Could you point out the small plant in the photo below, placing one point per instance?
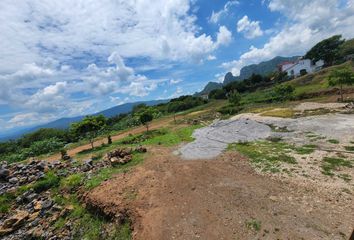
(71, 182)
(306, 149)
(330, 164)
(50, 180)
(334, 141)
(349, 148)
(254, 224)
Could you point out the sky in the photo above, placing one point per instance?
(76, 57)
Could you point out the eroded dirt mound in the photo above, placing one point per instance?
(169, 198)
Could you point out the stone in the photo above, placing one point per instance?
(47, 204)
(38, 206)
(13, 180)
(15, 221)
(4, 173)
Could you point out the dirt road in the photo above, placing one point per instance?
(154, 125)
(170, 198)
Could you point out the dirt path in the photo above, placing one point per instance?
(154, 125)
(170, 198)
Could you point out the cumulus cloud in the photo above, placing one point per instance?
(224, 36)
(250, 29)
(164, 30)
(215, 16)
(308, 23)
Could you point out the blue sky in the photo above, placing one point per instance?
(68, 58)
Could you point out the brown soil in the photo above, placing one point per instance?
(170, 198)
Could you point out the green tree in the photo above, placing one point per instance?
(89, 127)
(341, 76)
(217, 94)
(347, 48)
(327, 50)
(145, 119)
(234, 98)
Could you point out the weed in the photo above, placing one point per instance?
(71, 182)
(278, 129)
(254, 224)
(265, 154)
(345, 177)
(349, 148)
(330, 164)
(50, 180)
(306, 149)
(334, 141)
(6, 200)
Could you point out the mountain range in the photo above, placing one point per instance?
(262, 68)
(63, 123)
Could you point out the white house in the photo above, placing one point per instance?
(294, 69)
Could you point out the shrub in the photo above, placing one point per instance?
(283, 92)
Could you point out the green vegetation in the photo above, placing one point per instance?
(341, 76)
(266, 155)
(330, 164)
(254, 224)
(89, 127)
(145, 118)
(5, 202)
(48, 141)
(327, 50)
(349, 148)
(49, 180)
(71, 182)
(306, 149)
(334, 141)
(283, 92)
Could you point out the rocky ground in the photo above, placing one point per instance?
(33, 210)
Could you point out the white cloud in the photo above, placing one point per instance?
(24, 119)
(250, 29)
(308, 23)
(162, 30)
(215, 16)
(224, 36)
(177, 93)
(175, 81)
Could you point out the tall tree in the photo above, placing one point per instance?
(89, 127)
(326, 50)
(341, 76)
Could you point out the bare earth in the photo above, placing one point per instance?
(170, 198)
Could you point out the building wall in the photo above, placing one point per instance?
(301, 64)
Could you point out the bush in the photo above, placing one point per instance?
(46, 146)
(283, 92)
(217, 94)
(229, 110)
(235, 98)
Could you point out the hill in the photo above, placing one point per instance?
(262, 68)
(63, 123)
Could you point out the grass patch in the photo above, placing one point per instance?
(50, 180)
(349, 148)
(254, 224)
(266, 155)
(333, 141)
(106, 173)
(173, 137)
(330, 164)
(280, 112)
(71, 182)
(306, 149)
(6, 200)
(278, 129)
